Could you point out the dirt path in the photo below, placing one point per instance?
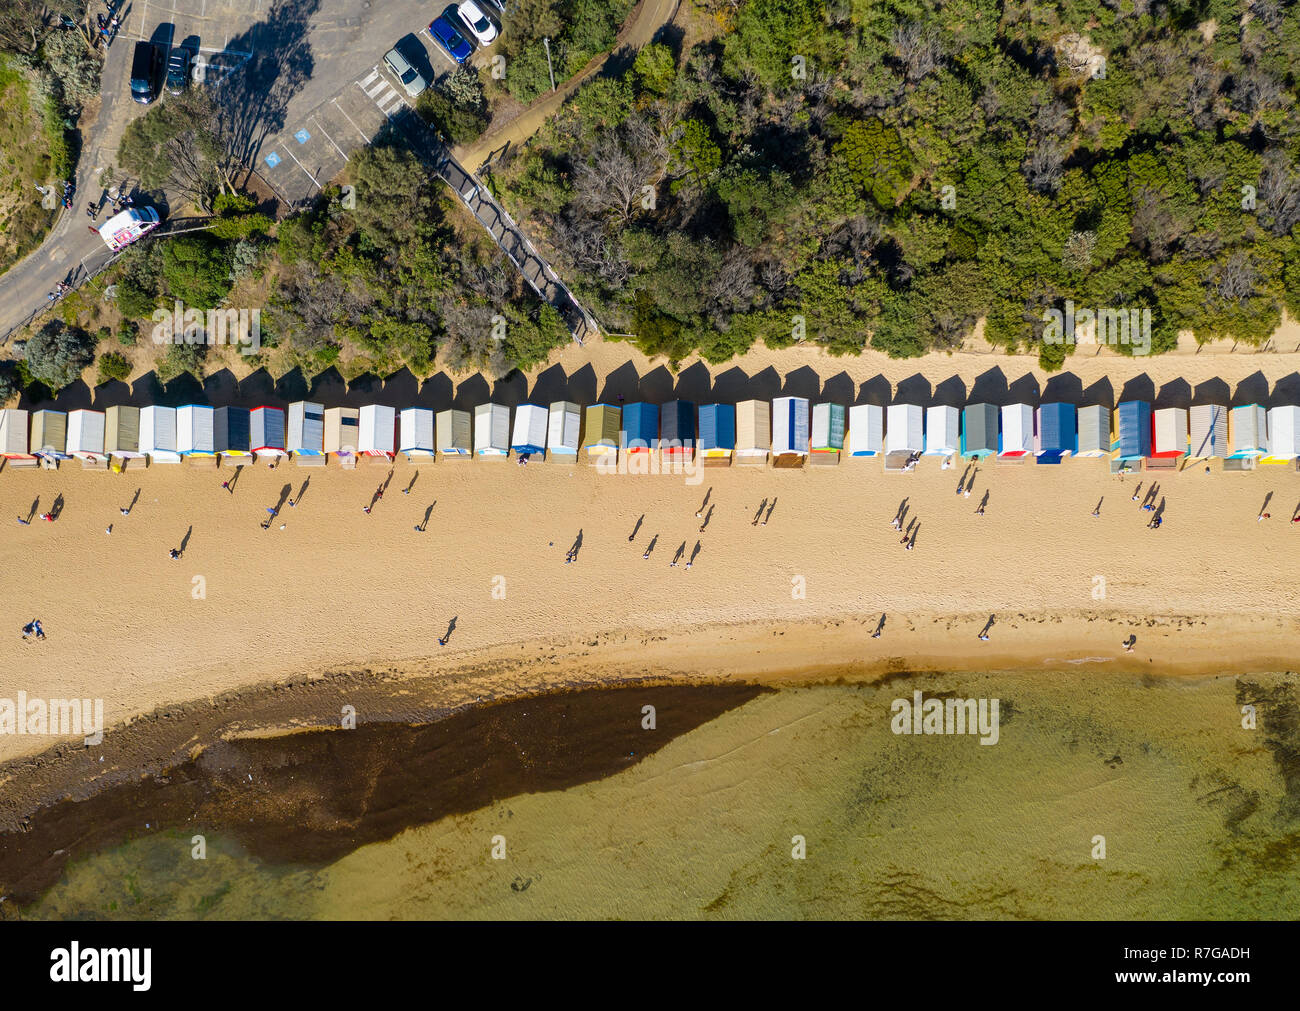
(646, 20)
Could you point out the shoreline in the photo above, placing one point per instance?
(757, 655)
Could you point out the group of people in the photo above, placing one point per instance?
(33, 630)
(60, 289)
(108, 26)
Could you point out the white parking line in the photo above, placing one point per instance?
(388, 111)
(328, 137)
(368, 79)
(303, 167)
(364, 138)
(388, 95)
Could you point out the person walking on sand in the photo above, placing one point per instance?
(225, 486)
(1137, 491)
(366, 509)
(126, 511)
(108, 529)
(984, 637)
(47, 517)
(173, 554)
(23, 522)
(1263, 516)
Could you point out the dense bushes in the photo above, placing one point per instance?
(456, 107)
(388, 276)
(57, 353)
(892, 173)
(578, 30)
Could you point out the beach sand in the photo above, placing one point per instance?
(367, 597)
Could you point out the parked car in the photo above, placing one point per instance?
(146, 61)
(178, 70)
(499, 6)
(401, 67)
(483, 30)
(453, 42)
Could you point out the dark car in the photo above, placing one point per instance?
(453, 42)
(499, 6)
(178, 70)
(146, 62)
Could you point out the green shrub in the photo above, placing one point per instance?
(58, 353)
(113, 365)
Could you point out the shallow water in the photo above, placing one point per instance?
(1198, 817)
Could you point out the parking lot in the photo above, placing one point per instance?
(303, 80)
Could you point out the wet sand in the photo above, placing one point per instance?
(309, 798)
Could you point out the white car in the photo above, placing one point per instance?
(478, 23)
(404, 72)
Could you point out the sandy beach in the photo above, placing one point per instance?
(367, 597)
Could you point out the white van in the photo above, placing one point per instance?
(123, 229)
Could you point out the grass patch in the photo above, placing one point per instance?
(33, 149)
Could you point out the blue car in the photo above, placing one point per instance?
(445, 34)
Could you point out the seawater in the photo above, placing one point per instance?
(1196, 814)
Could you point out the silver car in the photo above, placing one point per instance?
(404, 72)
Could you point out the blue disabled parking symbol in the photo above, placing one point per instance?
(302, 136)
(272, 159)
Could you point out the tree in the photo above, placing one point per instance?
(196, 270)
(9, 386)
(870, 158)
(57, 354)
(769, 35)
(112, 366)
(237, 217)
(695, 158)
(654, 69)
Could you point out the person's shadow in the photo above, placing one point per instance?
(577, 545)
(637, 527)
(56, 510)
(880, 627)
(185, 541)
(285, 492)
(36, 505)
(651, 546)
(134, 499)
(987, 625)
(424, 523)
(446, 638)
